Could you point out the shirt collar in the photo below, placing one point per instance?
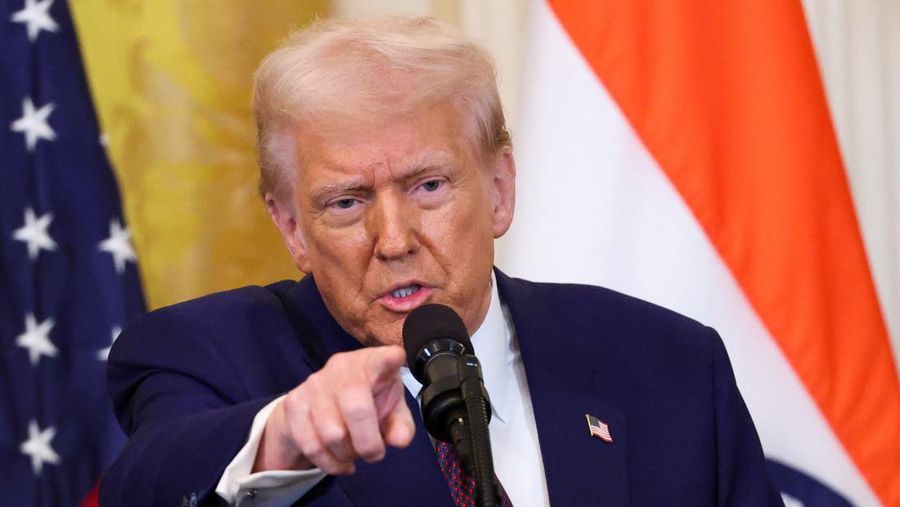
(492, 344)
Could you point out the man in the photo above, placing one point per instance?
(387, 168)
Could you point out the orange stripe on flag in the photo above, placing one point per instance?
(727, 97)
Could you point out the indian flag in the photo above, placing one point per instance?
(683, 152)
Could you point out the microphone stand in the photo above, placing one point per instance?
(475, 452)
(456, 409)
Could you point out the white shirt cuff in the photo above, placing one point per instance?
(238, 486)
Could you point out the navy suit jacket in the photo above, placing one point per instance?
(187, 380)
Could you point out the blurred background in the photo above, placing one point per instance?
(170, 82)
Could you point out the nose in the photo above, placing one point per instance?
(394, 224)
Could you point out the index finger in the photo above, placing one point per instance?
(384, 362)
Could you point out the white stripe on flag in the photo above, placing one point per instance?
(594, 207)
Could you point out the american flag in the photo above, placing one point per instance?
(68, 278)
(598, 428)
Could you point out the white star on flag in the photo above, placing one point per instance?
(36, 339)
(36, 15)
(34, 233)
(38, 446)
(118, 244)
(103, 354)
(33, 123)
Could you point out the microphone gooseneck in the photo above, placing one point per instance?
(455, 404)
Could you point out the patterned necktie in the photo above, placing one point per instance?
(462, 485)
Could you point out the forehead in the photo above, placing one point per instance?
(382, 146)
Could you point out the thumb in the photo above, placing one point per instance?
(397, 426)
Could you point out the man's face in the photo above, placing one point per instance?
(396, 214)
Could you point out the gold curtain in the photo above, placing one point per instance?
(171, 83)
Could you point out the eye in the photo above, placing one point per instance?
(431, 192)
(432, 185)
(343, 204)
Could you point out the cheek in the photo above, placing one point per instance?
(339, 250)
(463, 237)
(472, 223)
(339, 262)
(339, 259)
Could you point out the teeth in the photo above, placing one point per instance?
(405, 291)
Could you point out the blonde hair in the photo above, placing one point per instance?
(365, 69)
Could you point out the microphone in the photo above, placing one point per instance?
(455, 405)
(435, 340)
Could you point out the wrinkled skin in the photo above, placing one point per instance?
(384, 204)
(380, 206)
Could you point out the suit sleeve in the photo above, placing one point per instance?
(743, 477)
(186, 414)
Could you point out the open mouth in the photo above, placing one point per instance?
(406, 297)
(404, 292)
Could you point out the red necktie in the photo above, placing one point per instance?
(462, 485)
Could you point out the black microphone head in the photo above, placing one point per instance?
(432, 322)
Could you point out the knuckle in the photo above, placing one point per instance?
(311, 449)
(310, 385)
(356, 409)
(332, 434)
(294, 403)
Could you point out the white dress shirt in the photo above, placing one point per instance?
(514, 440)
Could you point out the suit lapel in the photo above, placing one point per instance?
(580, 469)
(318, 332)
(408, 476)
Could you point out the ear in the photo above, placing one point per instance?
(503, 189)
(284, 219)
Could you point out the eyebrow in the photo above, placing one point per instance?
(427, 162)
(324, 192)
(424, 164)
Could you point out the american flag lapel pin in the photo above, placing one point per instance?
(598, 428)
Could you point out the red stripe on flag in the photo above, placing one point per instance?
(727, 97)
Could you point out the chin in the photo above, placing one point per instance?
(387, 334)
(374, 340)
